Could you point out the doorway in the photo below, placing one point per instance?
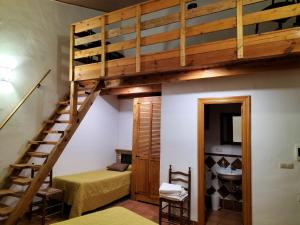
(215, 163)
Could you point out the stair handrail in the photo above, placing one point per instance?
(36, 86)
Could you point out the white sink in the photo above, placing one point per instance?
(229, 174)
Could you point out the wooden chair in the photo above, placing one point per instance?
(184, 206)
(51, 199)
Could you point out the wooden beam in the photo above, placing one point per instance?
(103, 46)
(132, 90)
(71, 63)
(240, 29)
(182, 33)
(138, 39)
(242, 67)
(73, 102)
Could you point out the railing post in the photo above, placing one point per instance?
(182, 33)
(240, 29)
(71, 65)
(103, 46)
(138, 39)
(73, 88)
(73, 102)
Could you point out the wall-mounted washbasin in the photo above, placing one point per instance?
(229, 174)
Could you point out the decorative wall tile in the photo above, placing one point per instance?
(223, 162)
(223, 191)
(210, 162)
(237, 164)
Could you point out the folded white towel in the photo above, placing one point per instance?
(174, 197)
(167, 188)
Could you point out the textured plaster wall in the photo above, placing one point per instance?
(34, 37)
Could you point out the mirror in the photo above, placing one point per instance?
(231, 129)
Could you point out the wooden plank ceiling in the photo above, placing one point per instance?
(102, 5)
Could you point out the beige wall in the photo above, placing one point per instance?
(35, 35)
(275, 98)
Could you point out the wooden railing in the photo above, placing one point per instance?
(37, 85)
(113, 27)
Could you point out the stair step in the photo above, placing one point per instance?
(43, 142)
(58, 121)
(66, 103)
(7, 192)
(38, 154)
(5, 210)
(22, 181)
(22, 166)
(54, 132)
(66, 111)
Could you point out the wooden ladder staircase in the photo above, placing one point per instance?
(43, 151)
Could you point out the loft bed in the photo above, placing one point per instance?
(143, 34)
(90, 190)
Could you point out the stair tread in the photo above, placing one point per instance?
(43, 142)
(22, 181)
(5, 210)
(54, 132)
(38, 154)
(22, 165)
(58, 121)
(68, 102)
(6, 192)
(64, 112)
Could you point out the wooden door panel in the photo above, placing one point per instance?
(154, 172)
(141, 175)
(146, 148)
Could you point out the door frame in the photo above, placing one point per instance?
(246, 154)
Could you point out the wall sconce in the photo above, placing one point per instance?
(5, 73)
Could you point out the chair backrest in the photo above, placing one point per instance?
(50, 176)
(185, 179)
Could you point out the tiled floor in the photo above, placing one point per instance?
(224, 217)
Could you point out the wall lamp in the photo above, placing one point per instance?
(5, 73)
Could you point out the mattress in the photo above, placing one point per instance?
(91, 190)
(112, 216)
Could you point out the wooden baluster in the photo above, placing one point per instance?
(138, 39)
(73, 89)
(103, 46)
(73, 102)
(182, 33)
(240, 29)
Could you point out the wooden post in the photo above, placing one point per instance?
(240, 29)
(71, 65)
(182, 33)
(73, 102)
(103, 46)
(138, 39)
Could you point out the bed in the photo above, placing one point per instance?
(91, 190)
(112, 216)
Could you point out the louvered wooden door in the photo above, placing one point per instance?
(146, 149)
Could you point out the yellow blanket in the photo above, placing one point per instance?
(113, 216)
(91, 190)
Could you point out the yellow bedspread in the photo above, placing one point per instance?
(113, 216)
(91, 190)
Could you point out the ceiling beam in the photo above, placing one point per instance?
(236, 69)
(132, 91)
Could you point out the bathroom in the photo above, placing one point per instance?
(223, 164)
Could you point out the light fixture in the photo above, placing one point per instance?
(5, 73)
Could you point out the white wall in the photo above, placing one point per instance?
(125, 124)
(34, 37)
(93, 145)
(275, 130)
